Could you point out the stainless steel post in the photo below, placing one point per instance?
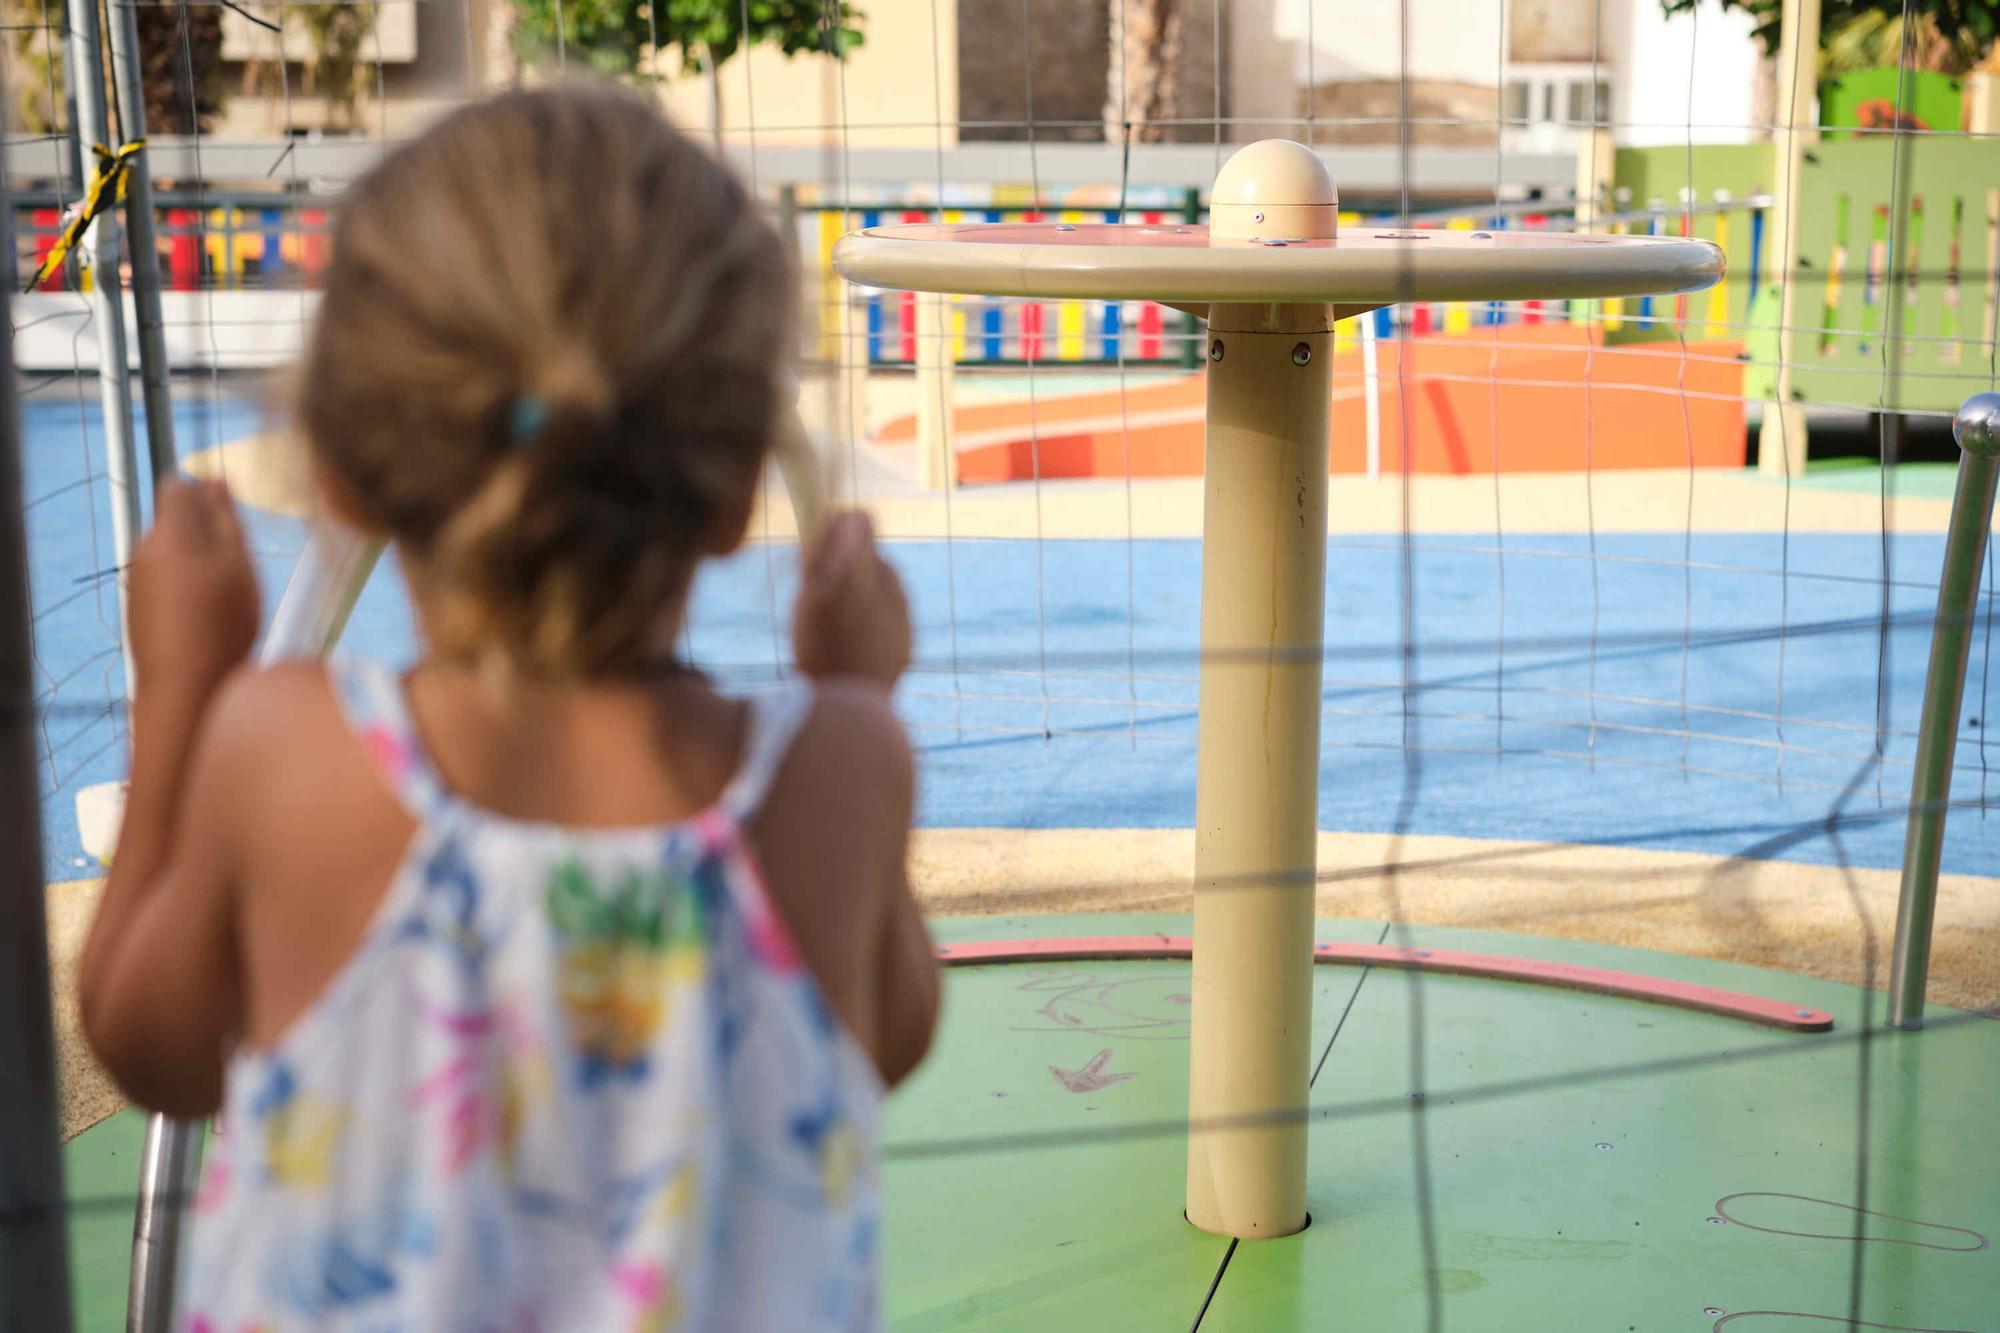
(1978, 432)
(84, 57)
(168, 1163)
(169, 1168)
(153, 370)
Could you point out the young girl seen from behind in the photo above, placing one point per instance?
(542, 987)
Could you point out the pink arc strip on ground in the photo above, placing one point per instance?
(1569, 976)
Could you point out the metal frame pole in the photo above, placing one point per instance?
(1263, 593)
(84, 57)
(34, 1245)
(170, 1157)
(139, 219)
(1977, 429)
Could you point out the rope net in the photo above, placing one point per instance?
(1598, 648)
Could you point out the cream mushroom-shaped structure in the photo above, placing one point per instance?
(1271, 274)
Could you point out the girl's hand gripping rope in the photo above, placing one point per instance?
(852, 619)
(195, 603)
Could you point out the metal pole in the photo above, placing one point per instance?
(172, 1151)
(329, 576)
(169, 1170)
(139, 218)
(107, 309)
(34, 1249)
(1978, 431)
(1263, 590)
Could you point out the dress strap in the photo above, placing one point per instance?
(371, 695)
(775, 719)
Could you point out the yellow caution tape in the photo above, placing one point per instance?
(107, 187)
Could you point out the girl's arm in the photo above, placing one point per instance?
(159, 982)
(852, 624)
(908, 998)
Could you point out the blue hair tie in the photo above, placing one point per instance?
(525, 422)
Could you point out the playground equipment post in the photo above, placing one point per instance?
(1977, 429)
(1263, 589)
(1781, 440)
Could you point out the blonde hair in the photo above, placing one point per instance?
(548, 364)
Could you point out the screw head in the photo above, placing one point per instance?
(1718, 1221)
(1301, 354)
(1065, 226)
(1482, 235)
(1805, 1013)
(1215, 350)
(1604, 1147)
(1256, 217)
(1977, 425)
(1711, 1309)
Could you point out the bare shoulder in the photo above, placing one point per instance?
(839, 810)
(854, 742)
(319, 830)
(282, 746)
(832, 839)
(259, 716)
(260, 696)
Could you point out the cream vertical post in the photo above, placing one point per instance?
(1982, 102)
(1596, 177)
(1596, 185)
(849, 387)
(1263, 595)
(937, 371)
(1781, 441)
(1371, 389)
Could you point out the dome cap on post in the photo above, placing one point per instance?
(1274, 189)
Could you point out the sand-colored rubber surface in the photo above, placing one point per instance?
(265, 472)
(87, 1093)
(1808, 919)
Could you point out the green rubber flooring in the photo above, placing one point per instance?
(1593, 1163)
(1932, 481)
(1578, 1148)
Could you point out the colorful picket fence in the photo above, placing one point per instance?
(227, 247)
(1013, 331)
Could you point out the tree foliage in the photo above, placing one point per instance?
(1947, 36)
(180, 65)
(1140, 87)
(615, 35)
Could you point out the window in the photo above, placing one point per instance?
(1584, 109)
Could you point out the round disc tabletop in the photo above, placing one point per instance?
(1183, 264)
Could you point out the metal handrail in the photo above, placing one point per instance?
(1977, 429)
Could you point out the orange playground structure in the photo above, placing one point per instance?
(1500, 399)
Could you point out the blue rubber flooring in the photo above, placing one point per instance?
(1624, 689)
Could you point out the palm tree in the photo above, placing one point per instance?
(1874, 40)
(180, 66)
(1141, 87)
